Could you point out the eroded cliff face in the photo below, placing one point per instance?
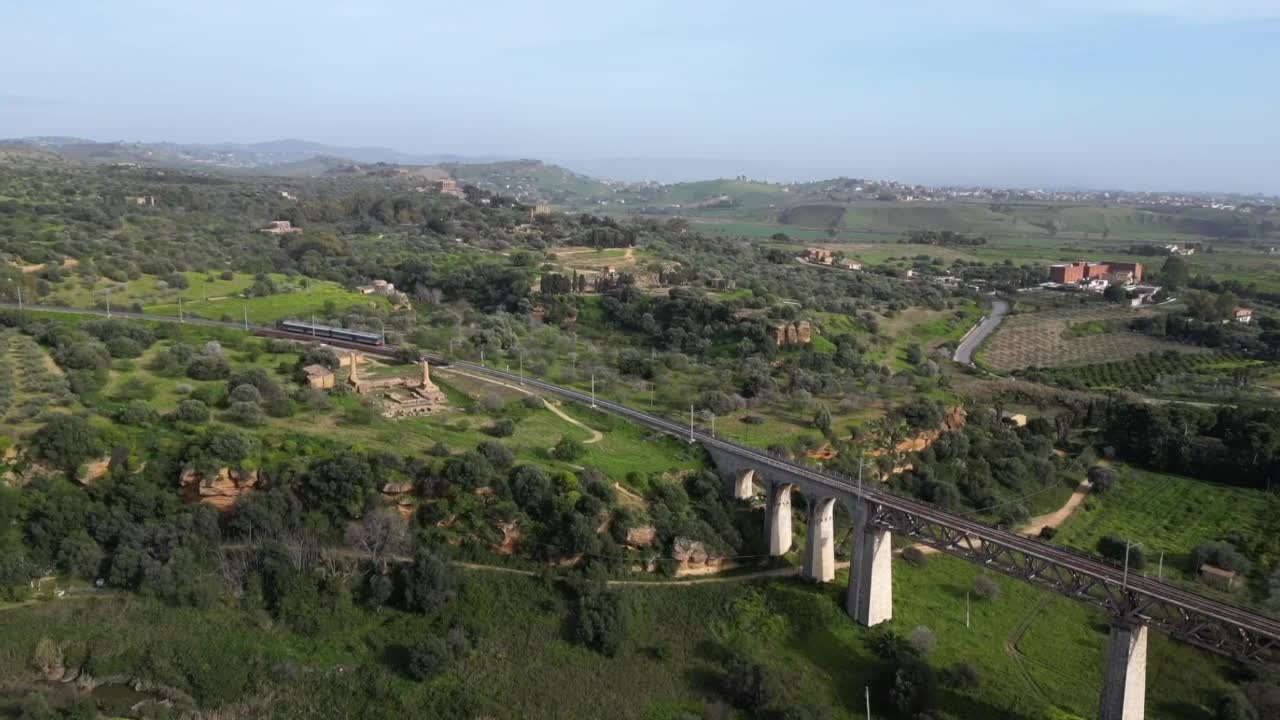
(954, 420)
(222, 491)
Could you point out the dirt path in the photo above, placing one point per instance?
(1037, 523)
(1059, 516)
(629, 496)
(774, 572)
(596, 435)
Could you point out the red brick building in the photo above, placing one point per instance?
(1072, 273)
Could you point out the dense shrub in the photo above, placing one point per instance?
(986, 588)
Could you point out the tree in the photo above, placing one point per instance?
(191, 411)
(822, 419)
(429, 657)
(923, 641)
(137, 413)
(602, 620)
(1102, 479)
(568, 449)
(67, 441)
(429, 584)
(1116, 550)
(502, 427)
(249, 414)
(986, 588)
(245, 393)
(1220, 554)
(915, 687)
(1115, 294)
(1175, 273)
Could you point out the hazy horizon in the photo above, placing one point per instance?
(1132, 94)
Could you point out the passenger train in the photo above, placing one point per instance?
(324, 331)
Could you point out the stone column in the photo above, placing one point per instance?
(779, 518)
(742, 484)
(820, 546)
(869, 600)
(426, 374)
(1124, 681)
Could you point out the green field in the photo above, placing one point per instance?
(211, 297)
(1167, 514)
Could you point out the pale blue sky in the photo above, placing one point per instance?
(1143, 94)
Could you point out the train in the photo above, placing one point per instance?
(325, 331)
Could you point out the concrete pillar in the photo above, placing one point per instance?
(869, 600)
(742, 485)
(1124, 682)
(820, 547)
(779, 518)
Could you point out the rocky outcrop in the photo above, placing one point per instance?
(400, 495)
(510, 538)
(222, 490)
(954, 420)
(93, 471)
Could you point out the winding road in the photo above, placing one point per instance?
(969, 345)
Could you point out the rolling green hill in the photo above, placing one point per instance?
(531, 180)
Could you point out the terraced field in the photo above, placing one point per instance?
(1042, 339)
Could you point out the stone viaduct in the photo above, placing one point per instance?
(869, 597)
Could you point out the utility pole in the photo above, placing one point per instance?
(1125, 584)
(690, 423)
(1160, 569)
(713, 424)
(868, 696)
(481, 355)
(521, 354)
(313, 325)
(593, 388)
(181, 318)
(246, 319)
(966, 609)
(108, 302)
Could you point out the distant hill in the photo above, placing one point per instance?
(534, 181)
(230, 156)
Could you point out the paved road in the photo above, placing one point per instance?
(1116, 582)
(968, 346)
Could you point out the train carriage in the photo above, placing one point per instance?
(325, 331)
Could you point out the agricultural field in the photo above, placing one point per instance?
(1167, 515)
(30, 382)
(1169, 374)
(1069, 336)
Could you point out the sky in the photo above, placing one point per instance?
(1127, 94)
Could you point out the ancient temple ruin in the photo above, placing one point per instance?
(401, 396)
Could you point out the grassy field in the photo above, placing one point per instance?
(210, 296)
(1035, 652)
(1167, 514)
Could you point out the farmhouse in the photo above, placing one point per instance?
(1218, 577)
(1242, 315)
(319, 377)
(280, 227)
(1077, 273)
(821, 256)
